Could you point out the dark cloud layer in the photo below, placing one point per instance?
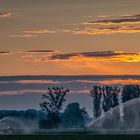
(130, 19)
(16, 83)
(5, 52)
(90, 54)
(113, 56)
(39, 51)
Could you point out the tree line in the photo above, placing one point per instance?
(109, 96)
(105, 97)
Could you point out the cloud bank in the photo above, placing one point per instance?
(128, 19)
(5, 52)
(104, 30)
(33, 33)
(114, 56)
(5, 14)
(40, 51)
(105, 26)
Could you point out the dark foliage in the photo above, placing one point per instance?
(96, 94)
(73, 116)
(29, 114)
(110, 97)
(53, 104)
(130, 92)
(104, 98)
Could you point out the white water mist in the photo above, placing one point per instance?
(121, 105)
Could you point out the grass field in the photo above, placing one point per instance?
(71, 134)
(70, 137)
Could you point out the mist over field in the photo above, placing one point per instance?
(24, 92)
(20, 98)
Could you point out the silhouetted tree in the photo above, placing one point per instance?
(73, 116)
(104, 98)
(96, 94)
(53, 104)
(110, 97)
(115, 94)
(130, 92)
(107, 100)
(85, 115)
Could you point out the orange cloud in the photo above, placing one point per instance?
(104, 31)
(112, 56)
(5, 14)
(115, 24)
(21, 36)
(110, 23)
(5, 53)
(39, 31)
(33, 33)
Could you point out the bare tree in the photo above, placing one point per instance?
(53, 104)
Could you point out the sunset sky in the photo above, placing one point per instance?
(69, 37)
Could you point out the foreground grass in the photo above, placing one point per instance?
(71, 137)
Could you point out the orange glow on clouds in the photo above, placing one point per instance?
(111, 23)
(123, 82)
(121, 57)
